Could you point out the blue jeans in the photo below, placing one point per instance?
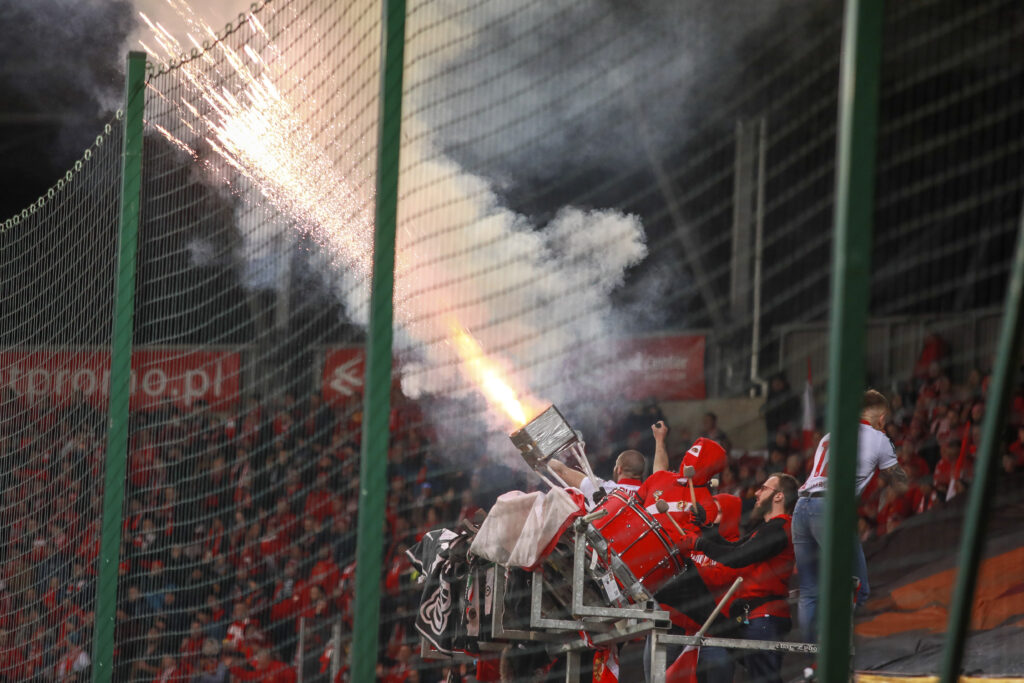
(718, 665)
(715, 665)
(808, 529)
(763, 666)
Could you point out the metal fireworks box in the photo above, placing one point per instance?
(543, 436)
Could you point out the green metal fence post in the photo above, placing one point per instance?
(851, 257)
(979, 504)
(120, 369)
(377, 400)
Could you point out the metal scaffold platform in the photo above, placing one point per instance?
(573, 624)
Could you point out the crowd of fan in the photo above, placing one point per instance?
(239, 529)
(238, 534)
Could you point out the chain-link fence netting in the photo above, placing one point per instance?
(57, 266)
(623, 211)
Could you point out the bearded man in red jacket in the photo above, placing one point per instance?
(764, 557)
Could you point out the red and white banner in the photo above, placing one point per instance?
(342, 377)
(807, 440)
(667, 368)
(179, 375)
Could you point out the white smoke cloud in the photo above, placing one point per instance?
(536, 295)
(537, 89)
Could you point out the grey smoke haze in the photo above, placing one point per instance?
(539, 89)
(58, 68)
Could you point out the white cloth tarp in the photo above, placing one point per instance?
(521, 526)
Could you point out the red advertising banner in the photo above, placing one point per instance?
(342, 377)
(668, 368)
(181, 376)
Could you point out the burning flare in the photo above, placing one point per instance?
(487, 374)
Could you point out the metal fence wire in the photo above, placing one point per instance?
(625, 211)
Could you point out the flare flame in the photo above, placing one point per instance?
(487, 375)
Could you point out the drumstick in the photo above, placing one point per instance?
(689, 471)
(663, 509)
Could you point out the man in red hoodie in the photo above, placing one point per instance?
(686, 604)
(760, 610)
(707, 458)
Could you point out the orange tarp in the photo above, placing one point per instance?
(923, 604)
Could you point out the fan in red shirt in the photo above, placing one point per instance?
(325, 664)
(325, 573)
(913, 464)
(401, 672)
(235, 637)
(280, 530)
(893, 508)
(265, 669)
(343, 601)
(50, 596)
(191, 649)
(319, 501)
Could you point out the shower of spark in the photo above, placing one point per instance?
(255, 129)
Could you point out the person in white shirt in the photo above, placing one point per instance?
(628, 474)
(874, 452)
